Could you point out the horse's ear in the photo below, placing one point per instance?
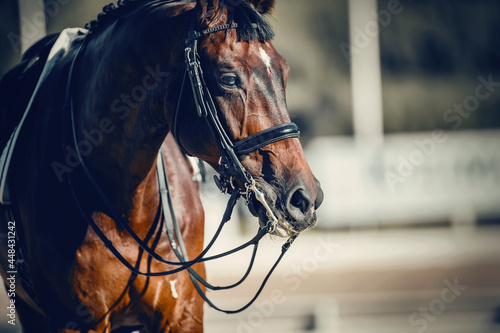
(264, 6)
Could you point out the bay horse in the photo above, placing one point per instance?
(115, 106)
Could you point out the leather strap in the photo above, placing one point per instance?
(266, 137)
(180, 249)
(198, 34)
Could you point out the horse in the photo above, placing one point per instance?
(84, 174)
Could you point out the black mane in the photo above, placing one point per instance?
(111, 13)
(242, 13)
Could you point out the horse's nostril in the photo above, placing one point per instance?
(319, 198)
(299, 200)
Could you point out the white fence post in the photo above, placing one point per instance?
(32, 22)
(365, 70)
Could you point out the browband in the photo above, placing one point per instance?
(266, 137)
(197, 34)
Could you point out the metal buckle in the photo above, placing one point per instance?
(224, 182)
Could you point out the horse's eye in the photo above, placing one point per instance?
(229, 80)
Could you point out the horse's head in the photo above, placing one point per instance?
(247, 79)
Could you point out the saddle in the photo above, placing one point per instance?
(17, 90)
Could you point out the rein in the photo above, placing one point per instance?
(230, 170)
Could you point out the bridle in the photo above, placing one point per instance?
(230, 169)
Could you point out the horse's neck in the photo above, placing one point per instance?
(124, 101)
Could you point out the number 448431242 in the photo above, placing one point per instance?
(11, 243)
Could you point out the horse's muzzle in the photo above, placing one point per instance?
(301, 205)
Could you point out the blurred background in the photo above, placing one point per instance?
(398, 104)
